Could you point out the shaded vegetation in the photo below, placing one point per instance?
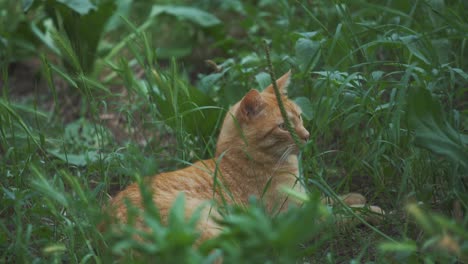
(98, 94)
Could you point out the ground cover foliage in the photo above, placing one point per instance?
(98, 94)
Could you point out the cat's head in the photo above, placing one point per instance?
(256, 125)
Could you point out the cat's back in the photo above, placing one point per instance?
(195, 181)
(191, 180)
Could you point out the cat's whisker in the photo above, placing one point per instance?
(284, 157)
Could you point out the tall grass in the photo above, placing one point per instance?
(383, 90)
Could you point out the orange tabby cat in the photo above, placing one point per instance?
(254, 150)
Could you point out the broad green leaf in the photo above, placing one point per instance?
(306, 107)
(442, 50)
(308, 35)
(376, 75)
(461, 73)
(82, 7)
(81, 159)
(192, 14)
(84, 135)
(84, 30)
(263, 79)
(123, 9)
(46, 37)
(411, 42)
(437, 4)
(208, 82)
(307, 52)
(432, 131)
(26, 5)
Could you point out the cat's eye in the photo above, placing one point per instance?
(282, 126)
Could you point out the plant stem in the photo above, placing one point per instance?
(278, 97)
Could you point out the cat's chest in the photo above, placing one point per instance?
(269, 183)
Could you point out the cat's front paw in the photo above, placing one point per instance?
(371, 213)
(349, 199)
(353, 199)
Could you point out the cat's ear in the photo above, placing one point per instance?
(282, 83)
(251, 105)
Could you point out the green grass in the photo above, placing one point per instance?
(382, 86)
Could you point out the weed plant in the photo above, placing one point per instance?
(383, 89)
